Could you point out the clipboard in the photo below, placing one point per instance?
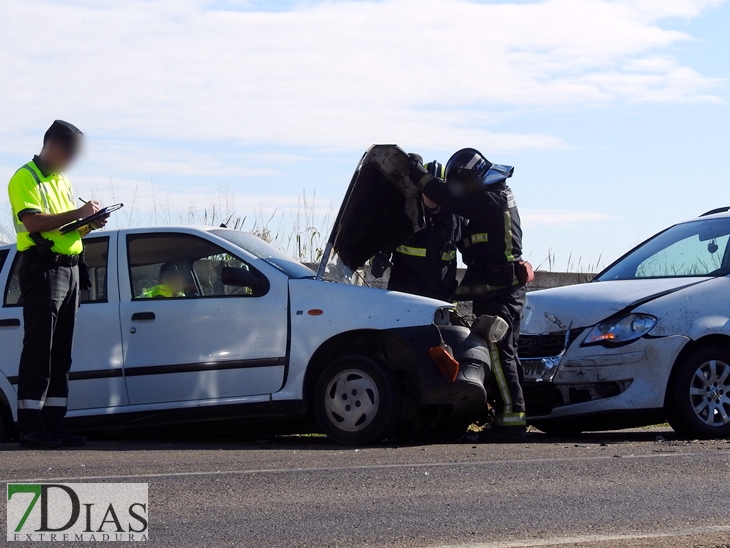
(90, 219)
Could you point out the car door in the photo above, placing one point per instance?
(190, 334)
(96, 378)
(11, 327)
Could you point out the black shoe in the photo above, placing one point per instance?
(504, 434)
(68, 439)
(39, 440)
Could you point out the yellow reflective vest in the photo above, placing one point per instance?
(31, 192)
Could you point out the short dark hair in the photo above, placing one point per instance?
(64, 133)
(169, 267)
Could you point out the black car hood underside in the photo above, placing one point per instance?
(381, 208)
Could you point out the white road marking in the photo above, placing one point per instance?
(561, 541)
(396, 466)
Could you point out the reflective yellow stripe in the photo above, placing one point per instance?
(35, 405)
(480, 238)
(508, 237)
(441, 173)
(511, 419)
(499, 376)
(412, 251)
(41, 188)
(421, 252)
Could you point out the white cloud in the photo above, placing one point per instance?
(427, 73)
(560, 217)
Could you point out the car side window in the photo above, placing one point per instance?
(182, 266)
(96, 255)
(12, 288)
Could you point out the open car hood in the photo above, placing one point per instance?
(381, 209)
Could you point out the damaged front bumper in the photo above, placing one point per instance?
(585, 380)
(466, 396)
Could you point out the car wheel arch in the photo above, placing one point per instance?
(381, 345)
(714, 339)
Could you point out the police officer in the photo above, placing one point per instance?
(425, 264)
(42, 202)
(496, 276)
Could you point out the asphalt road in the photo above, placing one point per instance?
(608, 490)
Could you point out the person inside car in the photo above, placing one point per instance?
(172, 283)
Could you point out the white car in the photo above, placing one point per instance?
(253, 335)
(647, 340)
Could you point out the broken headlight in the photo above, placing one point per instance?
(622, 330)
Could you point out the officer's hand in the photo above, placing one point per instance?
(89, 208)
(379, 264)
(100, 222)
(418, 173)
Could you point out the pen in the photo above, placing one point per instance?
(82, 200)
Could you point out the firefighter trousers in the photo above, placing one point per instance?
(507, 376)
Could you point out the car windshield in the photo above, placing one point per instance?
(267, 252)
(697, 248)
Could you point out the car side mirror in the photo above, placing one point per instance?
(242, 277)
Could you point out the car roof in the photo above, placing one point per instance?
(719, 213)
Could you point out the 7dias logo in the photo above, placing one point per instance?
(71, 512)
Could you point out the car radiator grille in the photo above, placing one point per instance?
(544, 346)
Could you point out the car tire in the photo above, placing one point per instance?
(357, 400)
(699, 397)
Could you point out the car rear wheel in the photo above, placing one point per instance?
(699, 405)
(357, 400)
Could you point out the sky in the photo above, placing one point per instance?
(613, 112)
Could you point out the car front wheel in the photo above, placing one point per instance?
(357, 400)
(700, 396)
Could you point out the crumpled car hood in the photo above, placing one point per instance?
(584, 305)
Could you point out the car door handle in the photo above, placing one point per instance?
(12, 322)
(143, 316)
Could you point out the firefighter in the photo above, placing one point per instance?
(42, 202)
(425, 264)
(496, 275)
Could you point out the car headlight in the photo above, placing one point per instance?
(624, 330)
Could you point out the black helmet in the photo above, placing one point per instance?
(472, 172)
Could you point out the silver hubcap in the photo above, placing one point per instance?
(710, 393)
(352, 400)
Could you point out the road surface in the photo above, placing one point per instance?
(637, 488)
